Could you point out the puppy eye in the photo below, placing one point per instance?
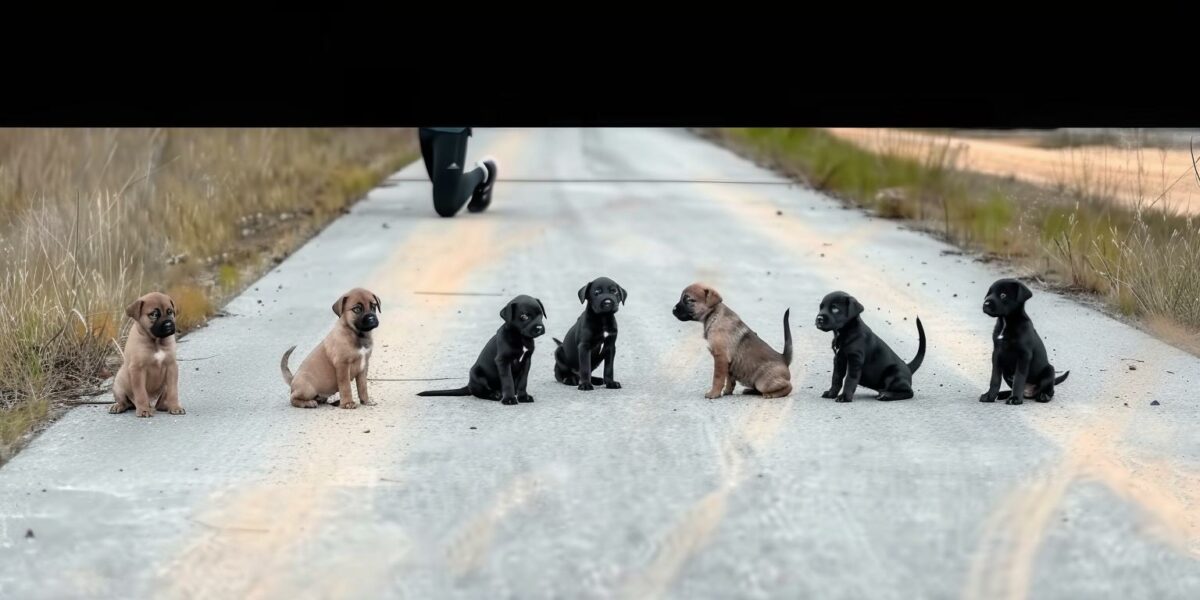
(524, 317)
(357, 310)
(597, 292)
(1003, 296)
(834, 309)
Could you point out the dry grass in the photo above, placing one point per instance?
(1142, 257)
(90, 219)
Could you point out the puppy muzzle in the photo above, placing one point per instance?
(607, 305)
(163, 329)
(536, 330)
(822, 323)
(368, 322)
(681, 313)
(989, 308)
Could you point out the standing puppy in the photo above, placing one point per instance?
(341, 356)
(594, 335)
(860, 357)
(739, 355)
(149, 375)
(502, 370)
(1017, 350)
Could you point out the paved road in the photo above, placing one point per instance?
(647, 491)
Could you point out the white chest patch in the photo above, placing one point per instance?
(160, 356)
(363, 353)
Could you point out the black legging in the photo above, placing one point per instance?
(452, 188)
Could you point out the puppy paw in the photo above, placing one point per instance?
(178, 410)
(305, 404)
(830, 393)
(366, 402)
(117, 409)
(570, 380)
(525, 398)
(1044, 397)
(350, 405)
(1015, 400)
(843, 398)
(145, 412)
(987, 397)
(613, 385)
(712, 395)
(508, 401)
(586, 386)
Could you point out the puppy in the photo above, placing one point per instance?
(594, 335)
(739, 355)
(502, 370)
(342, 356)
(860, 357)
(149, 375)
(1017, 350)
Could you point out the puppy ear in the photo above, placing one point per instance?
(508, 312)
(712, 298)
(1023, 291)
(854, 307)
(583, 291)
(340, 305)
(378, 304)
(544, 315)
(134, 310)
(173, 309)
(624, 294)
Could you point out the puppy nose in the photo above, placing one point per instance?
(820, 318)
(539, 328)
(371, 321)
(606, 302)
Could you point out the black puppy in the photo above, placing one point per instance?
(1017, 351)
(502, 369)
(861, 357)
(594, 335)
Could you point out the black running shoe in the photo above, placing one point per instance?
(482, 198)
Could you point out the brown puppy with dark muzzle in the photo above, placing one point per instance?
(342, 356)
(739, 355)
(148, 379)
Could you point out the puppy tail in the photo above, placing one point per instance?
(787, 338)
(557, 341)
(1062, 378)
(283, 366)
(916, 361)
(462, 391)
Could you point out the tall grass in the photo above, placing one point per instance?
(91, 219)
(1143, 258)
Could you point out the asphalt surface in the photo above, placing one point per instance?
(648, 491)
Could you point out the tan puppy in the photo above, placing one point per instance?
(342, 355)
(739, 355)
(149, 375)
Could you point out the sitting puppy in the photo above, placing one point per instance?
(502, 370)
(860, 357)
(341, 356)
(594, 335)
(1017, 351)
(738, 353)
(149, 376)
